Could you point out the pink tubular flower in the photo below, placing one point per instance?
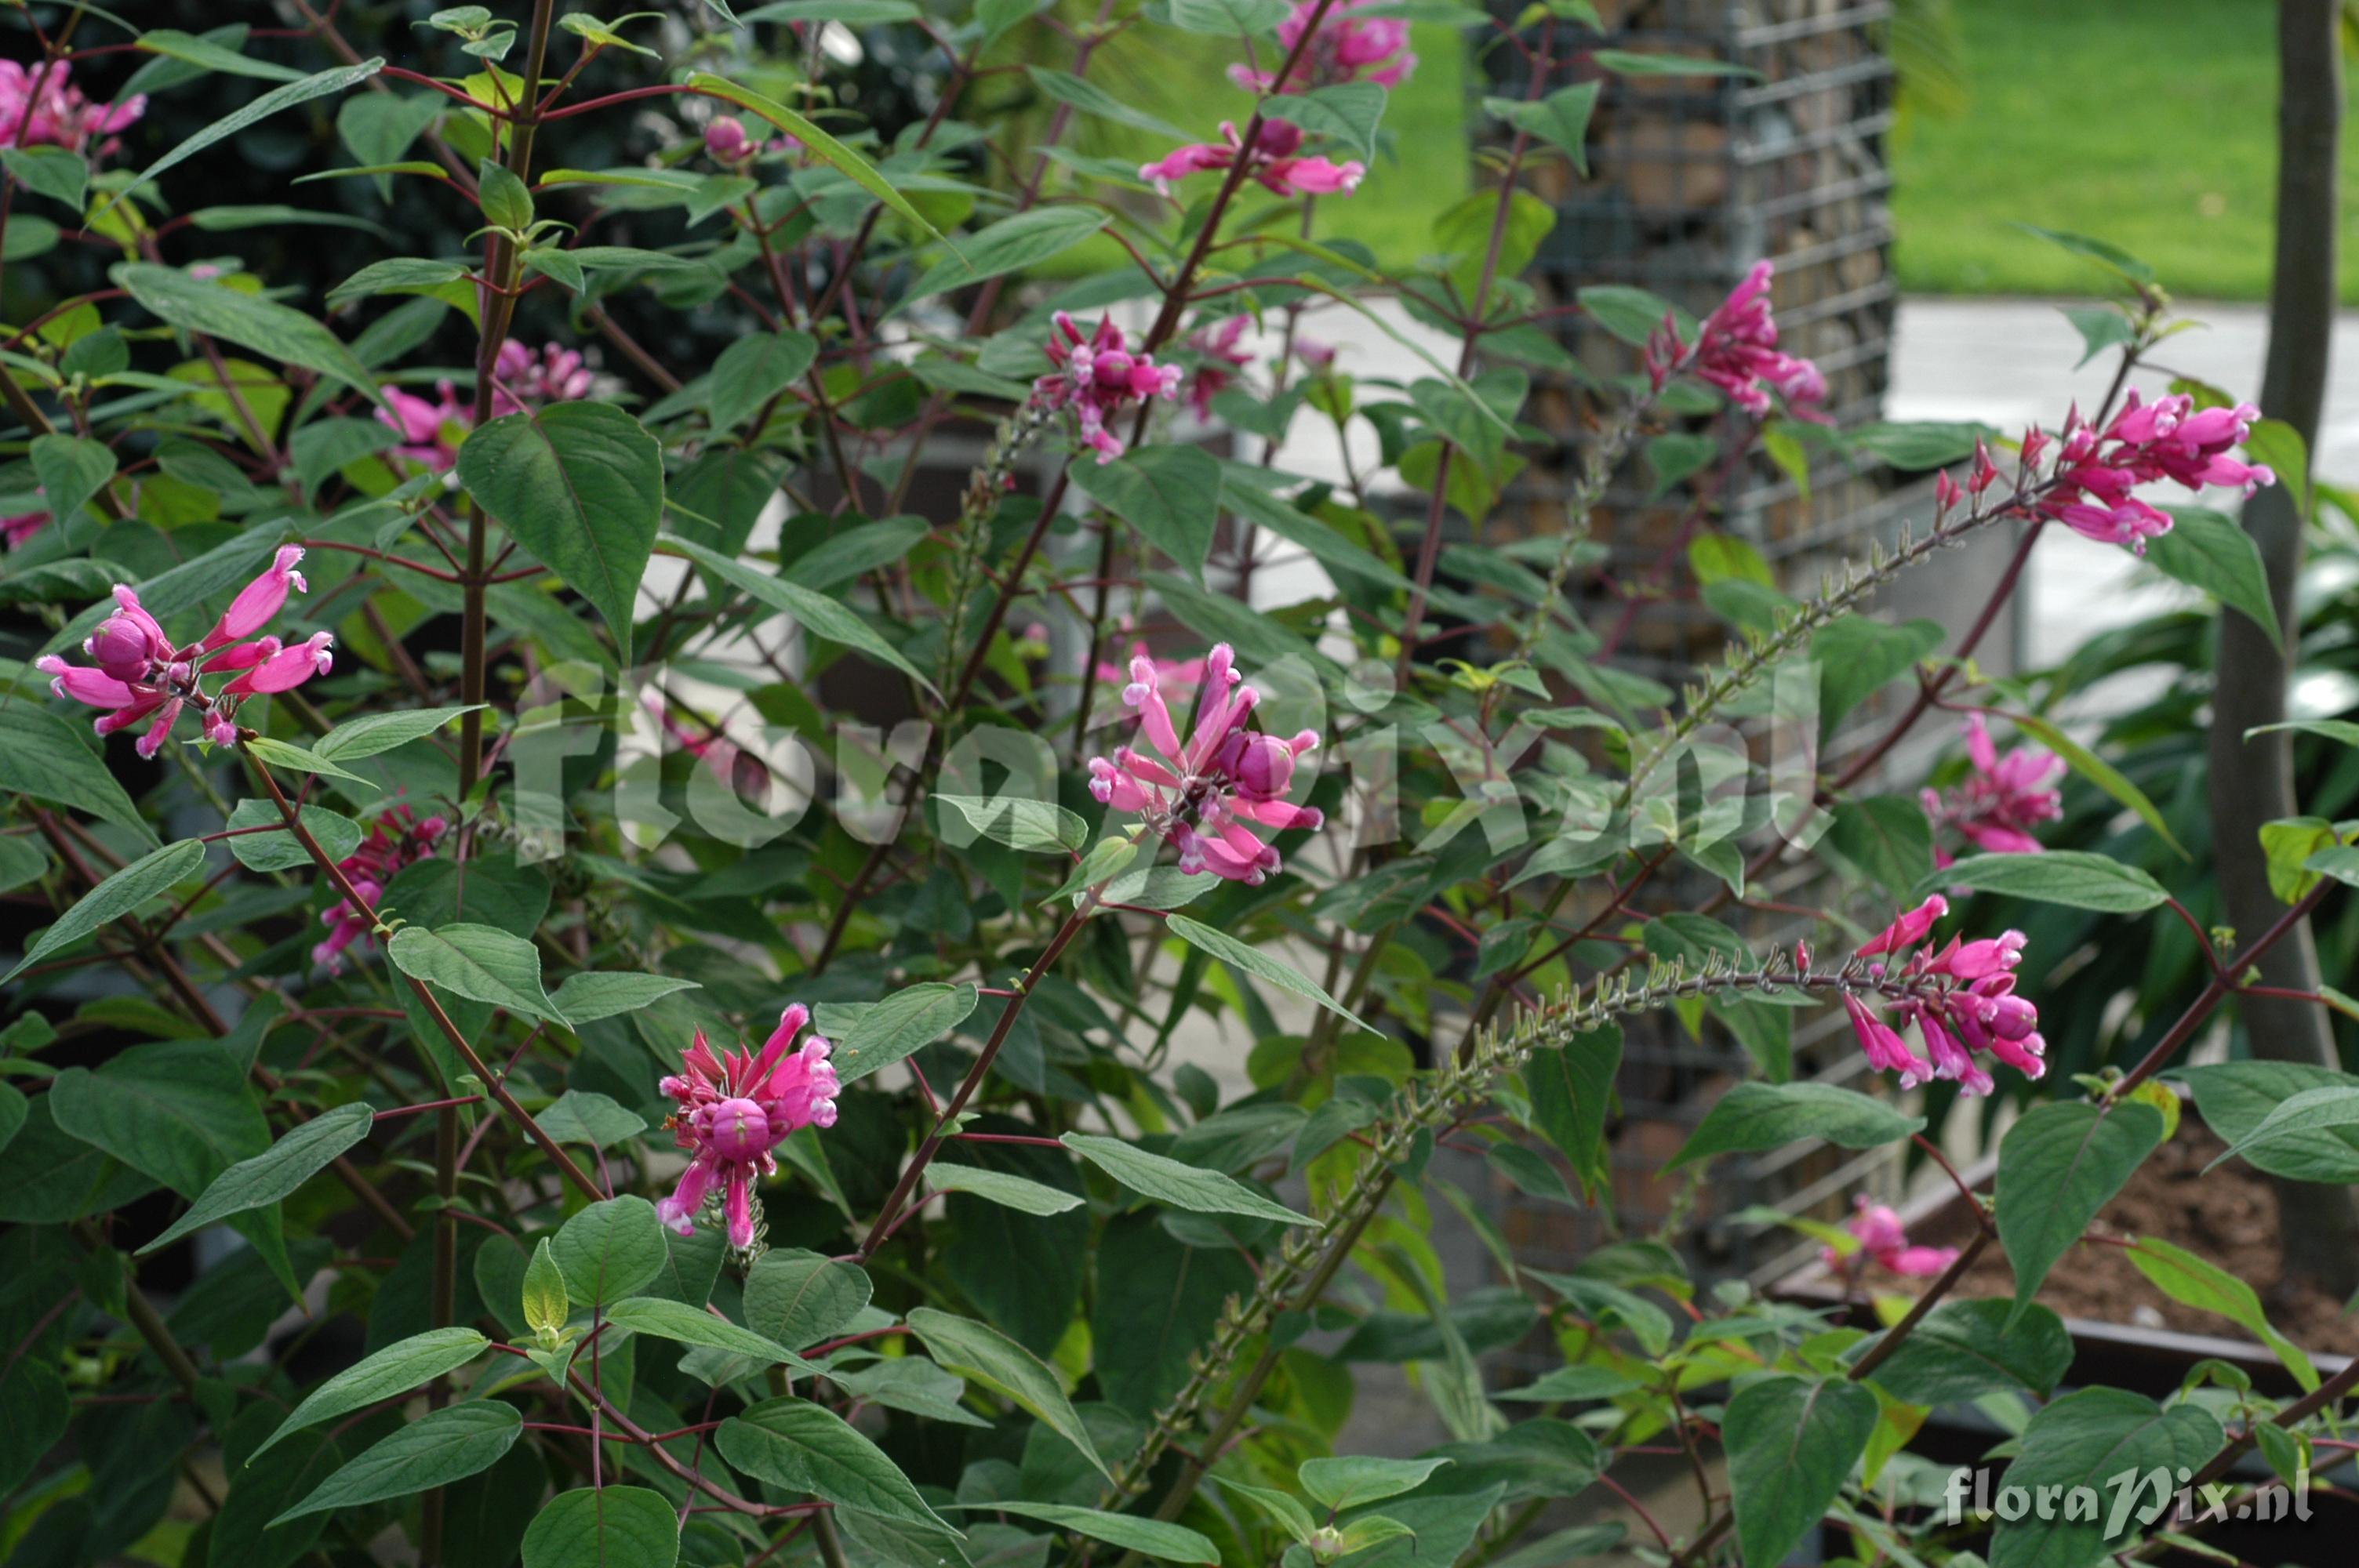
(60, 116)
(1347, 49)
(733, 1109)
(18, 530)
(1273, 161)
(1961, 1000)
(1996, 807)
(1201, 795)
(1222, 359)
(1736, 351)
(1885, 1242)
(522, 378)
(397, 838)
(2144, 443)
(142, 677)
(726, 141)
(1096, 375)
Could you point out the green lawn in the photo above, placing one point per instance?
(2147, 123)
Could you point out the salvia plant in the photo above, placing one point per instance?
(844, 931)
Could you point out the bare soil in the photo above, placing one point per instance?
(2228, 1217)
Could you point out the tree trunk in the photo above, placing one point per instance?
(2253, 781)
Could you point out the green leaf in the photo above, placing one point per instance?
(2058, 1165)
(262, 108)
(1858, 657)
(1228, 18)
(2098, 772)
(282, 333)
(483, 963)
(2237, 1097)
(2183, 1277)
(2210, 551)
(800, 1298)
(275, 1173)
(2298, 1119)
(584, 1116)
(692, 1325)
(1168, 1181)
(2111, 258)
(71, 469)
(2280, 446)
(808, 1448)
(815, 141)
(1261, 966)
(587, 996)
(1000, 1187)
(1148, 1538)
(2073, 878)
(610, 1250)
(1560, 119)
(275, 848)
(1158, 1300)
(1347, 112)
(869, 1036)
(395, 1369)
(43, 758)
(1753, 1117)
(997, 1362)
(210, 56)
(2089, 1440)
(819, 615)
(752, 371)
(55, 172)
(1790, 1442)
(546, 1302)
(298, 758)
(1090, 99)
(1012, 244)
(1886, 838)
(120, 894)
(606, 1527)
(1037, 826)
(396, 275)
(373, 733)
(1630, 314)
(2100, 327)
(1571, 1087)
(581, 486)
(505, 198)
(1964, 1350)
(1340, 1484)
(1171, 495)
(432, 1451)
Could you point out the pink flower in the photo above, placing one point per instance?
(1347, 49)
(2145, 442)
(1736, 351)
(1316, 356)
(18, 531)
(733, 1109)
(737, 769)
(521, 378)
(1960, 999)
(396, 839)
(61, 116)
(1222, 359)
(1095, 377)
(1884, 1241)
(1200, 796)
(142, 677)
(1996, 807)
(1273, 161)
(726, 140)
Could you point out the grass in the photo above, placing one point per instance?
(2150, 124)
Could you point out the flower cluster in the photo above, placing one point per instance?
(1274, 159)
(1096, 375)
(142, 677)
(1350, 48)
(733, 1109)
(398, 838)
(1884, 1241)
(1200, 796)
(521, 378)
(1222, 359)
(1961, 1000)
(1736, 351)
(59, 116)
(2000, 800)
(2144, 443)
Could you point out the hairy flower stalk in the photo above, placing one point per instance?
(1309, 1256)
